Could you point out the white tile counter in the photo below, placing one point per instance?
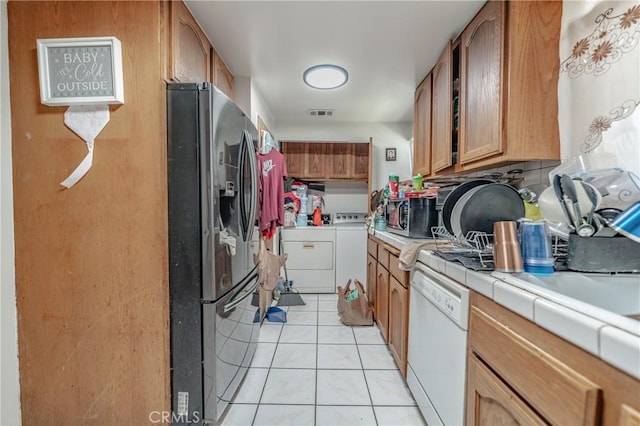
(595, 319)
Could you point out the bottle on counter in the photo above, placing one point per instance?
(303, 205)
(302, 219)
(317, 217)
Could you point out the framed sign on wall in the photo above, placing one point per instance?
(390, 154)
(80, 71)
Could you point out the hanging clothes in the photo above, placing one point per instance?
(273, 171)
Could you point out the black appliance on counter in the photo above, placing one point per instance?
(412, 217)
(212, 194)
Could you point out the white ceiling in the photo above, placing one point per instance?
(387, 47)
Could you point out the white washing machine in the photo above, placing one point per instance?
(351, 248)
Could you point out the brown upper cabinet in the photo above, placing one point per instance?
(316, 160)
(327, 160)
(339, 164)
(509, 68)
(295, 158)
(482, 81)
(494, 90)
(441, 130)
(190, 52)
(222, 77)
(422, 128)
(191, 56)
(359, 163)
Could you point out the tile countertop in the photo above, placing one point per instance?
(613, 337)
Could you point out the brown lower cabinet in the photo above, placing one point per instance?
(381, 306)
(398, 322)
(519, 373)
(372, 264)
(390, 287)
(494, 403)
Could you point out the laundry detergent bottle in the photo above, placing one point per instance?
(317, 217)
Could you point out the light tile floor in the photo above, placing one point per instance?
(313, 370)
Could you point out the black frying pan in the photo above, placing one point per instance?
(491, 203)
(454, 196)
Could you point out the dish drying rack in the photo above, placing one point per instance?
(475, 250)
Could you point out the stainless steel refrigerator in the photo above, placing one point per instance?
(212, 192)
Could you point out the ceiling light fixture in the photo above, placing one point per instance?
(325, 77)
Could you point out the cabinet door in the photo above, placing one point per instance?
(481, 85)
(372, 247)
(382, 301)
(190, 49)
(398, 323)
(371, 279)
(295, 158)
(629, 416)
(360, 155)
(533, 373)
(442, 112)
(339, 160)
(222, 77)
(422, 128)
(316, 166)
(490, 402)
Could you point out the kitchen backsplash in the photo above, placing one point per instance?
(535, 172)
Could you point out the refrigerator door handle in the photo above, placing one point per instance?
(244, 212)
(242, 189)
(247, 291)
(254, 184)
(247, 213)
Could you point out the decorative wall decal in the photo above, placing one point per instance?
(601, 124)
(598, 86)
(612, 37)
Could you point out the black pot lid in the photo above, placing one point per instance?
(492, 203)
(454, 196)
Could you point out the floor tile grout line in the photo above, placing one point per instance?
(268, 374)
(366, 382)
(280, 344)
(315, 406)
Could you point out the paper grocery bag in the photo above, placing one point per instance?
(354, 310)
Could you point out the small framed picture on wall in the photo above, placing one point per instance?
(390, 154)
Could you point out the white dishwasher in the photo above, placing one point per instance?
(438, 322)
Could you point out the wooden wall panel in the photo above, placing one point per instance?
(91, 261)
